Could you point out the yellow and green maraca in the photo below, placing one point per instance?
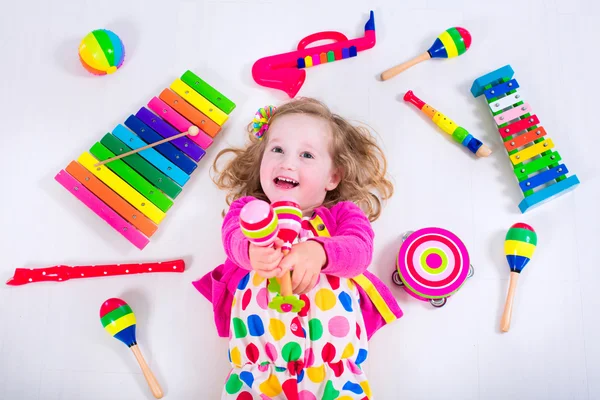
(519, 245)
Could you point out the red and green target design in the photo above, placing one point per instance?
(433, 263)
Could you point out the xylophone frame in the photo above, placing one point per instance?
(537, 167)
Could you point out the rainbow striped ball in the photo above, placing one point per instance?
(101, 52)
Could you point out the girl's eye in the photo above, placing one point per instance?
(306, 154)
(277, 149)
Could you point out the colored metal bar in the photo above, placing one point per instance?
(192, 114)
(134, 179)
(153, 156)
(523, 171)
(525, 138)
(511, 114)
(143, 167)
(531, 151)
(149, 136)
(544, 177)
(501, 89)
(506, 101)
(518, 126)
(111, 199)
(208, 92)
(198, 101)
(102, 210)
(201, 141)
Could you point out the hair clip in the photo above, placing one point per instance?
(261, 120)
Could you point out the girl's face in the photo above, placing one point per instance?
(297, 163)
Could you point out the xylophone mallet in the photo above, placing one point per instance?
(192, 131)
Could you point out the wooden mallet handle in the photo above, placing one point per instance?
(392, 72)
(192, 131)
(506, 316)
(285, 282)
(152, 382)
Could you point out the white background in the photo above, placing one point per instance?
(52, 345)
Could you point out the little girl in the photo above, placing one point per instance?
(333, 170)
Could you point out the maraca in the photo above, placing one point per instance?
(290, 222)
(451, 43)
(119, 320)
(519, 246)
(259, 223)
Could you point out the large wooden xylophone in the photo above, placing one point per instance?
(541, 174)
(134, 193)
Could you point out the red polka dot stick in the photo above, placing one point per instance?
(61, 273)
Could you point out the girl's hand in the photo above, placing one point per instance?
(306, 259)
(265, 260)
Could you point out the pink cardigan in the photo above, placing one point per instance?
(347, 237)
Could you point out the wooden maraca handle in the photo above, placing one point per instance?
(152, 382)
(506, 316)
(285, 282)
(392, 72)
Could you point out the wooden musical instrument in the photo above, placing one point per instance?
(119, 321)
(451, 43)
(157, 158)
(538, 168)
(519, 244)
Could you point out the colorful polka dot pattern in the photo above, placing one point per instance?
(315, 353)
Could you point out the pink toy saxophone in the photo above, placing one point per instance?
(286, 71)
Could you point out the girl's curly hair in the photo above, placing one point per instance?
(354, 151)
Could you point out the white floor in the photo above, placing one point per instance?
(52, 345)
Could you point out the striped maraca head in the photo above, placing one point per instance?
(118, 320)
(290, 221)
(519, 245)
(258, 222)
(451, 43)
